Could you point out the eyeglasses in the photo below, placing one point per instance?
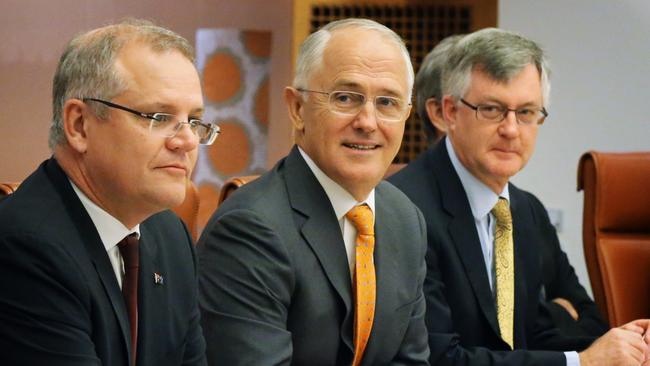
(497, 113)
(348, 103)
(168, 125)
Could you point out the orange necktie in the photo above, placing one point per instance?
(364, 278)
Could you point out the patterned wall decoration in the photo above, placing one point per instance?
(234, 67)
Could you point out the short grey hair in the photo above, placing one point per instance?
(310, 54)
(86, 68)
(428, 81)
(500, 54)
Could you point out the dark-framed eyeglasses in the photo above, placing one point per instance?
(168, 125)
(348, 103)
(497, 113)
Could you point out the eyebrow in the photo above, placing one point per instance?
(499, 102)
(167, 108)
(354, 86)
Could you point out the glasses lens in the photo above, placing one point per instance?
(164, 124)
(207, 133)
(529, 116)
(346, 102)
(491, 112)
(389, 108)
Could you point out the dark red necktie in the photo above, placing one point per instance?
(131, 256)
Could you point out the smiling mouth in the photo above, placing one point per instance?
(360, 146)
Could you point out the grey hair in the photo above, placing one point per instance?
(86, 67)
(310, 54)
(428, 81)
(500, 54)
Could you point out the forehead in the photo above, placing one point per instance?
(161, 76)
(524, 87)
(365, 60)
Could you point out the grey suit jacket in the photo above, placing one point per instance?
(275, 286)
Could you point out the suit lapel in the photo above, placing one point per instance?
(462, 230)
(94, 246)
(387, 248)
(320, 229)
(520, 238)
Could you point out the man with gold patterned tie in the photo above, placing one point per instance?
(484, 233)
(317, 262)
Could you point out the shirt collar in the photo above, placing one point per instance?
(111, 230)
(342, 201)
(481, 198)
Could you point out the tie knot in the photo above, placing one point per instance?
(129, 250)
(362, 219)
(502, 212)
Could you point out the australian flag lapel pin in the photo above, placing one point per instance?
(158, 279)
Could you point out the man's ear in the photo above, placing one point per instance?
(294, 102)
(434, 111)
(75, 119)
(449, 111)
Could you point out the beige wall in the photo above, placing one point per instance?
(34, 32)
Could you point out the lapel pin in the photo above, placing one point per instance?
(158, 279)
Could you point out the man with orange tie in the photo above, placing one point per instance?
(317, 262)
(94, 270)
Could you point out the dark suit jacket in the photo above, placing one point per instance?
(60, 303)
(461, 312)
(275, 285)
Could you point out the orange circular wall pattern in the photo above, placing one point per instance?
(222, 77)
(257, 43)
(232, 154)
(234, 67)
(262, 103)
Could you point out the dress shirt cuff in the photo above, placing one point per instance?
(572, 358)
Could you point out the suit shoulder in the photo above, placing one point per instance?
(394, 197)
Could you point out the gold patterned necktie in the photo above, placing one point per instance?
(504, 262)
(364, 278)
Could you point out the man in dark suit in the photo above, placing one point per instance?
(573, 312)
(484, 276)
(281, 280)
(94, 270)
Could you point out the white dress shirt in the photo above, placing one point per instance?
(481, 200)
(342, 202)
(111, 232)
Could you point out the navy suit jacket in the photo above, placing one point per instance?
(461, 311)
(275, 284)
(60, 303)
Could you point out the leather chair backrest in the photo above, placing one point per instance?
(616, 232)
(188, 211)
(230, 186)
(7, 188)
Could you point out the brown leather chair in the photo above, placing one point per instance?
(616, 232)
(7, 188)
(188, 211)
(232, 184)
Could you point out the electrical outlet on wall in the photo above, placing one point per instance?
(556, 216)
